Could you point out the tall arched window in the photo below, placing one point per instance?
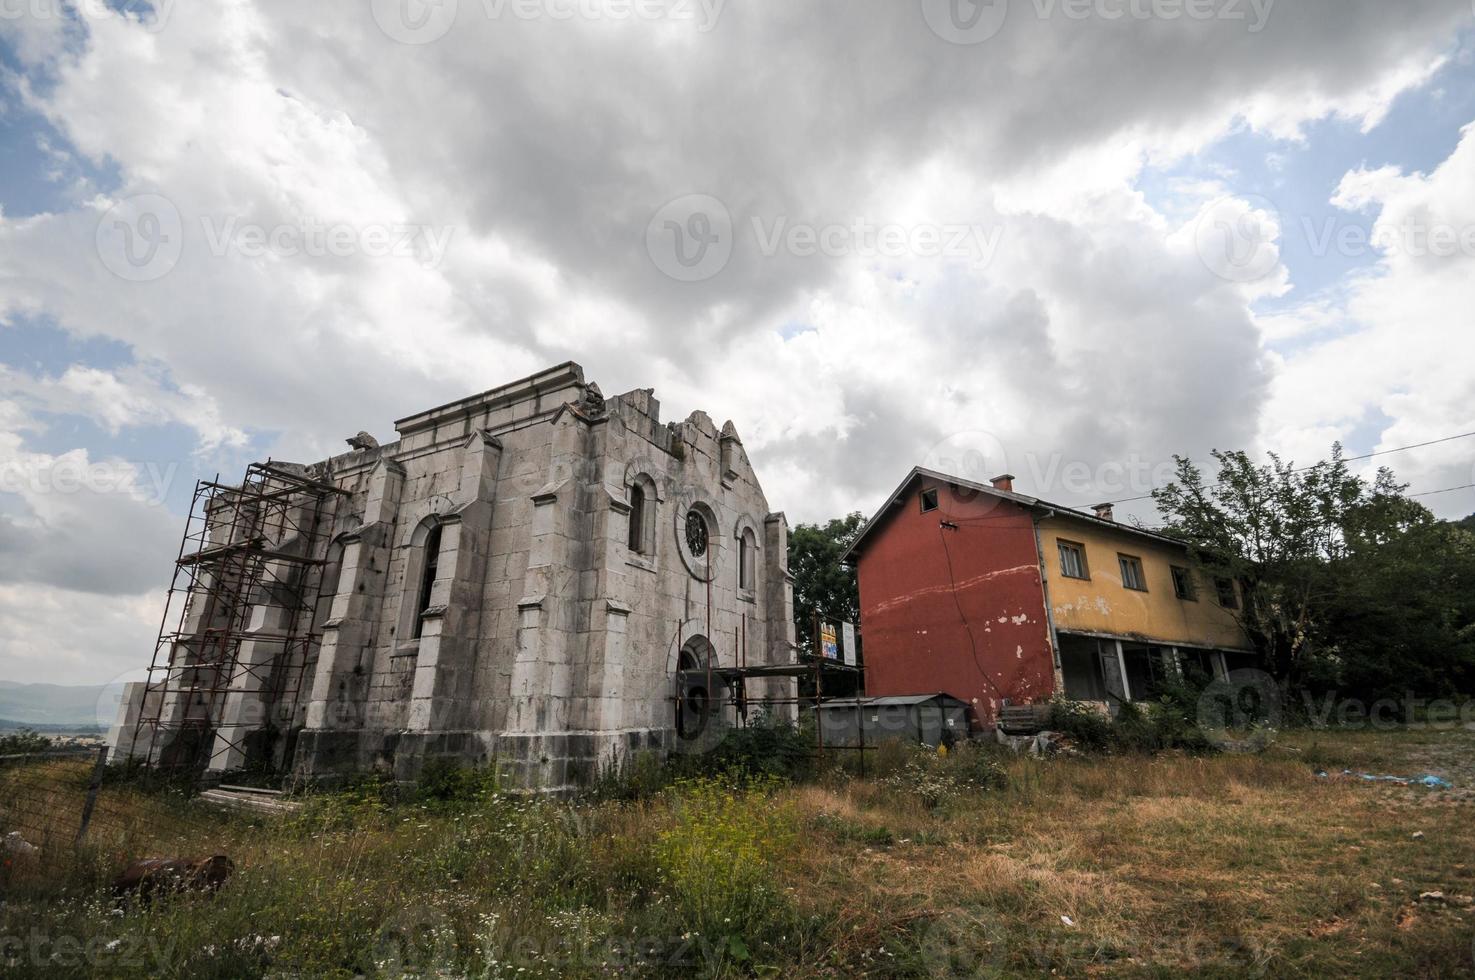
(636, 539)
(427, 577)
(747, 547)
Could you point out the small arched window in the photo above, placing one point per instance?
(747, 549)
(636, 539)
(427, 577)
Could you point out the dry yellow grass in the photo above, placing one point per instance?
(1132, 866)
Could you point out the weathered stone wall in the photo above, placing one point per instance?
(547, 645)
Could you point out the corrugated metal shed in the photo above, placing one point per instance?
(925, 718)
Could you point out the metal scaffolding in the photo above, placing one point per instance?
(724, 700)
(240, 631)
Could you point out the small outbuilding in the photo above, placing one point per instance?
(931, 719)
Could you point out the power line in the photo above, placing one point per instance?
(1430, 493)
(1348, 459)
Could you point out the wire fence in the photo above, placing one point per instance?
(57, 806)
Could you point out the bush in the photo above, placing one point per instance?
(1170, 722)
(765, 749)
(938, 776)
(1082, 723)
(638, 777)
(24, 741)
(719, 859)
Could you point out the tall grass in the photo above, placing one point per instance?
(1122, 865)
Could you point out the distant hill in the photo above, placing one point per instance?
(58, 704)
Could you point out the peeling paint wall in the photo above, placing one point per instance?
(917, 612)
(1103, 605)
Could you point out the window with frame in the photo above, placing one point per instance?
(1183, 585)
(1132, 575)
(636, 538)
(929, 500)
(1228, 598)
(747, 547)
(428, 573)
(1073, 560)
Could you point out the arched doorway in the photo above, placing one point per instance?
(700, 691)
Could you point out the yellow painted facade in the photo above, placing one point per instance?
(1103, 605)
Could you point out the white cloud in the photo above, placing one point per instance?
(1403, 360)
(1094, 331)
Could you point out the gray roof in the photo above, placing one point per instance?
(895, 700)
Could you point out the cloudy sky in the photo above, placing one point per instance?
(1066, 238)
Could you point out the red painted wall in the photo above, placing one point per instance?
(916, 641)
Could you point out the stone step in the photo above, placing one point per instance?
(249, 801)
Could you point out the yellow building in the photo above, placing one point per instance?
(1129, 611)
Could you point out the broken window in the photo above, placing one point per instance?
(1073, 560)
(1149, 670)
(929, 500)
(1183, 584)
(1132, 575)
(427, 577)
(1227, 596)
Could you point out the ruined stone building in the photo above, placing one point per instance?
(534, 577)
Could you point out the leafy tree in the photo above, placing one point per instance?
(1402, 615)
(24, 741)
(822, 583)
(1289, 537)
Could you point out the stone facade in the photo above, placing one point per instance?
(520, 580)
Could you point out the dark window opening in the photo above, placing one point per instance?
(1227, 597)
(427, 577)
(929, 500)
(696, 534)
(745, 560)
(1183, 584)
(1150, 670)
(636, 539)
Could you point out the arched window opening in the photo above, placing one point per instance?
(747, 548)
(427, 577)
(636, 538)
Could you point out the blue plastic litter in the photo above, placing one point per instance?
(1433, 782)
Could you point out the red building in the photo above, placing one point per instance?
(993, 596)
(958, 610)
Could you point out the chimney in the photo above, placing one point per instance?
(1103, 511)
(1004, 481)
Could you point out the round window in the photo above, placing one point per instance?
(696, 533)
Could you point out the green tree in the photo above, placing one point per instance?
(1402, 615)
(1287, 535)
(822, 583)
(24, 741)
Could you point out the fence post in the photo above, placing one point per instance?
(93, 786)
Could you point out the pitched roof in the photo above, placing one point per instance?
(1024, 500)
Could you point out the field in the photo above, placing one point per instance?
(973, 865)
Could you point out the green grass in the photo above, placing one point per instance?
(1222, 865)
